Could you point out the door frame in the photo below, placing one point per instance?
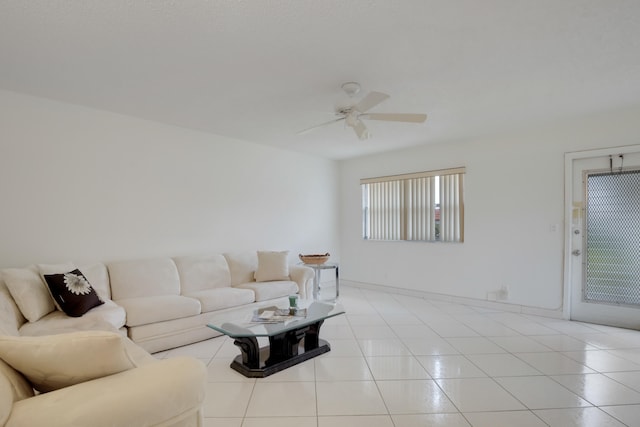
(569, 158)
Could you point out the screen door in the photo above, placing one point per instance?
(606, 241)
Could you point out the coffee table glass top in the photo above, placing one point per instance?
(240, 322)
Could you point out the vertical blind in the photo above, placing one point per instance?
(425, 206)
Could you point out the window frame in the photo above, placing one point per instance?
(421, 206)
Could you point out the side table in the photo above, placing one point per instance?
(317, 270)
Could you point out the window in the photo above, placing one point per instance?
(423, 206)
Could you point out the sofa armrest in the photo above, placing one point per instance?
(165, 392)
(302, 276)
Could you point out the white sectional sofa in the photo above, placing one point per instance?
(159, 303)
(148, 304)
(168, 300)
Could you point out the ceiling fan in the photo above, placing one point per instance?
(355, 113)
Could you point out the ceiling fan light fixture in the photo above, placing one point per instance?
(354, 113)
(361, 130)
(351, 88)
(351, 119)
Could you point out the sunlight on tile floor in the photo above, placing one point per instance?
(400, 361)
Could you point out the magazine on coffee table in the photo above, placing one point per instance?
(278, 315)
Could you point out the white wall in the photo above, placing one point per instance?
(83, 185)
(514, 196)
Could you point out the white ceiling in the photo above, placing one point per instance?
(261, 70)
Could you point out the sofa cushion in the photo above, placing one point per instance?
(217, 299)
(160, 336)
(29, 292)
(272, 266)
(270, 290)
(72, 292)
(242, 267)
(20, 387)
(198, 273)
(142, 278)
(10, 317)
(56, 361)
(151, 309)
(106, 317)
(167, 393)
(13, 388)
(98, 276)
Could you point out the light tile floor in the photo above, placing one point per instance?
(400, 361)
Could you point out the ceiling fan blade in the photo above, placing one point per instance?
(320, 125)
(370, 101)
(361, 130)
(395, 117)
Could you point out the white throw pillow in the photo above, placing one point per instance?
(55, 268)
(272, 266)
(52, 362)
(29, 292)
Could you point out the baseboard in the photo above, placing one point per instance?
(513, 308)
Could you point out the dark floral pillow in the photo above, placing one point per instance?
(72, 292)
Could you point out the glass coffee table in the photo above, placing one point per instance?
(291, 341)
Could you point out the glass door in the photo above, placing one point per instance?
(605, 242)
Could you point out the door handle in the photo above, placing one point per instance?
(576, 252)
